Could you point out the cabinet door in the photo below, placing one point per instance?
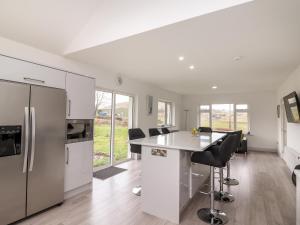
(79, 164)
(25, 72)
(81, 97)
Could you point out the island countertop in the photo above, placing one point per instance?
(182, 140)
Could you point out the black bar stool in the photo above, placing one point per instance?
(221, 195)
(217, 158)
(133, 134)
(228, 180)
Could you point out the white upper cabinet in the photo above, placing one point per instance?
(81, 97)
(26, 72)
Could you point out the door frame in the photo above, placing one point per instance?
(283, 128)
(112, 131)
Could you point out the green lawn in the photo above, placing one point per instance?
(102, 144)
(224, 124)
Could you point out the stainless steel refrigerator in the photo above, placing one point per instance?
(32, 146)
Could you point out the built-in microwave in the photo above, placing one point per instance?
(79, 130)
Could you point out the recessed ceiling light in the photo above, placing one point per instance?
(180, 58)
(192, 67)
(214, 87)
(237, 58)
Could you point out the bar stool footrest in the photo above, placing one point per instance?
(231, 181)
(212, 216)
(223, 196)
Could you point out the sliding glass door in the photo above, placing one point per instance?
(103, 129)
(123, 121)
(114, 116)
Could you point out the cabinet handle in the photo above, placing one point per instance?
(68, 154)
(69, 113)
(34, 80)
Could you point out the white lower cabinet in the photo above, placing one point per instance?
(79, 165)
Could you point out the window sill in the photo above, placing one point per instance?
(166, 126)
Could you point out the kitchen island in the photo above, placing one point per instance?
(169, 180)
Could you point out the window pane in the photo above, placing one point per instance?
(169, 113)
(204, 107)
(204, 119)
(222, 117)
(161, 113)
(242, 121)
(123, 114)
(102, 128)
(241, 107)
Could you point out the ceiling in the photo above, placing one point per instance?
(265, 33)
(67, 26)
(48, 25)
(119, 38)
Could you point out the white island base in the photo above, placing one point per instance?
(168, 182)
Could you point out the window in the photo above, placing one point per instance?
(225, 117)
(242, 120)
(164, 117)
(205, 115)
(222, 117)
(113, 118)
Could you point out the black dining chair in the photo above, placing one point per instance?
(154, 132)
(165, 130)
(205, 129)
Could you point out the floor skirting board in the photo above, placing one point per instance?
(72, 193)
(258, 149)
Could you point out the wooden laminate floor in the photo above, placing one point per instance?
(265, 196)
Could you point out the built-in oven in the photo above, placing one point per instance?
(10, 140)
(79, 130)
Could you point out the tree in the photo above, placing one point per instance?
(99, 98)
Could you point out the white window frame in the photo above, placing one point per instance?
(112, 130)
(242, 110)
(166, 114)
(205, 111)
(234, 112)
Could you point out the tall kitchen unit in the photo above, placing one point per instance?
(32, 149)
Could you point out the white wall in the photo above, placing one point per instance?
(292, 150)
(262, 114)
(293, 129)
(104, 80)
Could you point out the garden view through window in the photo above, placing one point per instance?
(225, 117)
(164, 117)
(113, 118)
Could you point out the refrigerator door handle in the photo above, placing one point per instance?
(34, 80)
(32, 114)
(26, 139)
(69, 111)
(68, 155)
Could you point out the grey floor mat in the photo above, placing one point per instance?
(108, 172)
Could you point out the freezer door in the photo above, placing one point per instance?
(47, 150)
(14, 100)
